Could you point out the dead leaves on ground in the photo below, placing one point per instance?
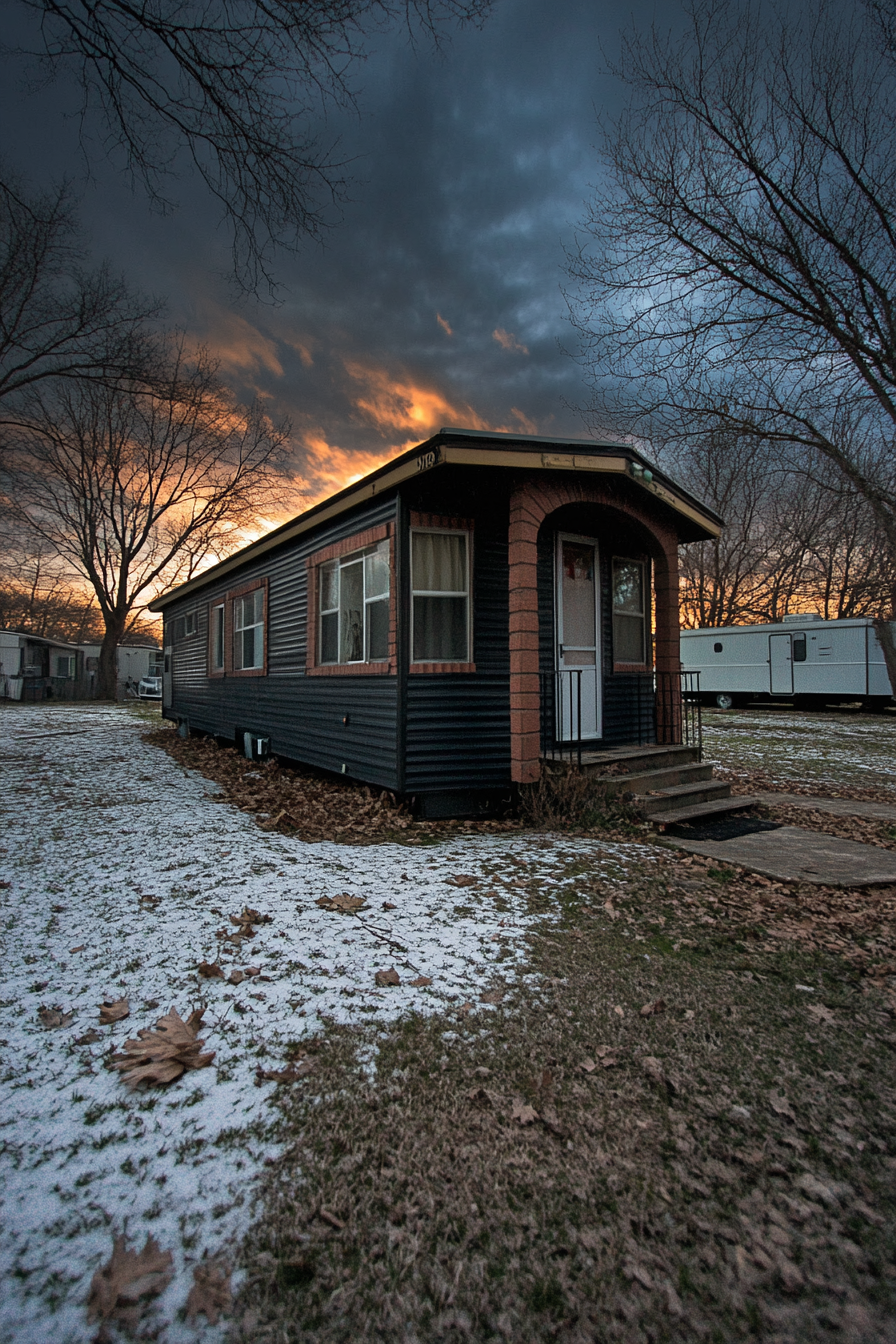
(245, 929)
(343, 904)
(51, 1018)
(161, 1054)
(210, 1293)
(386, 978)
(121, 1289)
(113, 1010)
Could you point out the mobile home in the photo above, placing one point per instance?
(804, 658)
(438, 626)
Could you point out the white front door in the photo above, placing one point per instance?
(578, 698)
(780, 662)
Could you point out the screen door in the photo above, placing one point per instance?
(577, 695)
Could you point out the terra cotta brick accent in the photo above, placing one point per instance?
(533, 499)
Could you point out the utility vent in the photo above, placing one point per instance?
(256, 748)
(803, 616)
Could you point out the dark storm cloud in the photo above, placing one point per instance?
(470, 167)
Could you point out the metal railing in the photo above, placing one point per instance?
(672, 716)
(561, 714)
(679, 715)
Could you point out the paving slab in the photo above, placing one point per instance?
(838, 807)
(794, 854)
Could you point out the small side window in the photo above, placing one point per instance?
(717, 648)
(216, 638)
(190, 623)
(799, 648)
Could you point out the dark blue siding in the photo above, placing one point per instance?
(458, 734)
(303, 716)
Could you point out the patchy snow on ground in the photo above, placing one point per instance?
(823, 748)
(120, 871)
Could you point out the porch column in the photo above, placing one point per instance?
(667, 646)
(525, 720)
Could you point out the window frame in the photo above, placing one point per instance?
(233, 596)
(644, 663)
(340, 563)
(214, 669)
(360, 542)
(424, 523)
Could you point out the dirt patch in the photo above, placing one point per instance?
(684, 1133)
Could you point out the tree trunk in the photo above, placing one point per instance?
(107, 669)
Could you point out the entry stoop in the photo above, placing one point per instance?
(665, 784)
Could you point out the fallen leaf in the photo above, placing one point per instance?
(387, 905)
(162, 1054)
(523, 1113)
(781, 1106)
(343, 904)
(492, 995)
(655, 1071)
(421, 982)
(291, 1074)
(464, 880)
(54, 1017)
(651, 1009)
(253, 970)
(619, 1011)
(821, 1014)
(120, 1289)
(587, 1065)
(210, 1292)
(386, 978)
(113, 1010)
(236, 977)
(815, 1188)
(210, 970)
(637, 1273)
(79, 948)
(89, 1037)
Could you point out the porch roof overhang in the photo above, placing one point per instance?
(693, 521)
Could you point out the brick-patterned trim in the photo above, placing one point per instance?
(217, 671)
(416, 668)
(358, 542)
(440, 523)
(232, 595)
(531, 501)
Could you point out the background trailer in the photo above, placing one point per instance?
(806, 659)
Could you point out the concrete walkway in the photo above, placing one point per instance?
(793, 854)
(838, 807)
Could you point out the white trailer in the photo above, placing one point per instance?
(805, 659)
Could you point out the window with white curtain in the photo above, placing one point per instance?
(354, 608)
(440, 580)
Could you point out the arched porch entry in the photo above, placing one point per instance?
(571, 543)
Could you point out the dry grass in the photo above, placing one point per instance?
(738, 1187)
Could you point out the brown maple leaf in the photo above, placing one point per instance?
(162, 1054)
(210, 1292)
(421, 982)
(343, 905)
(464, 880)
(113, 1010)
(210, 970)
(120, 1289)
(54, 1017)
(386, 978)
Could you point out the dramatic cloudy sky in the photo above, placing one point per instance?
(438, 299)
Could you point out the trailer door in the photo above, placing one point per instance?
(780, 664)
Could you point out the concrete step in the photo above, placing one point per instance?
(642, 781)
(701, 811)
(634, 760)
(681, 795)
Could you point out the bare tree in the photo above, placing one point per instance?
(58, 318)
(738, 271)
(241, 89)
(135, 485)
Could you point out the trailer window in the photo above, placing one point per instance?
(440, 579)
(629, 612)
(717, 648)
(799, 648)
(354, 607)
(248, 631)
(216, 638)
